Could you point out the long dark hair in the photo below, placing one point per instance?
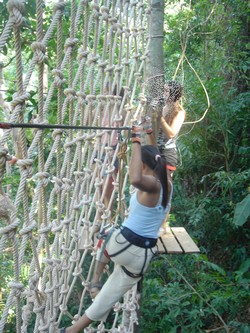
(152, 157)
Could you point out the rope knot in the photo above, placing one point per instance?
(67, 184)
(17, 286)
(105, 13)
(119, 29)
(110, 68)
(93, 59)
(16, 9)
(3, 156)
(26, 164)
(70, 93)
(82, 53)
(127, 32)
(27, 229)
(57, 132)
(81, 98)
(59, 6)
(58, 184)
(43, 178)
(59, 77)
(6, 208)
(103, 64)
(70, 43)
(19, 99)
(142, 99)
(40, 51)
(96, 10)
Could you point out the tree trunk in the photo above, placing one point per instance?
(155, 63)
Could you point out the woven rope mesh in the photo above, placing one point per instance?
(82, 65)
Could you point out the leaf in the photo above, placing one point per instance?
(242, 211)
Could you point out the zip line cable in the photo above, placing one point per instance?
(51, 126)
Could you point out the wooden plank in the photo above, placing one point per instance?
(170, 243)
(185, 241)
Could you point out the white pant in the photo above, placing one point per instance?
(118, 283)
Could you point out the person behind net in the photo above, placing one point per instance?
(171, 121)
(132, 245)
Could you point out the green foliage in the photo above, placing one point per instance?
(211, 185)
(242, 211)
(177, 307)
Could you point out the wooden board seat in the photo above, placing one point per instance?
(176, 240)
(172, 240)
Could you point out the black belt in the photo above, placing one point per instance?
(138, 240)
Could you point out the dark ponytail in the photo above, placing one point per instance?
(154, 160)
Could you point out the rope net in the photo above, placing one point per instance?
(83, 66)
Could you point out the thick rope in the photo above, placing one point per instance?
(60, 198)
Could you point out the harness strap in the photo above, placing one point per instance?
(120, 251)
(145, 260)
(133, 275)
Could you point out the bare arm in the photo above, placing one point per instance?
(173, 129)
(144, 182)
(151, 139)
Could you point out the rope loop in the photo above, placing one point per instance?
(93, 59)
(55, 227)
(117, 307)
(59, 77)
(119, 29)
(67, 184)
(81, 98)
(98, 182)
(59, 6)
(118, 69)
(39, 49)
(135, 32)
(142, 99)
(80, 138)
(9, 228)
(113, 21)
(86, 200)
(43, 178)
(104, 13)
(103, 64)
(110, 68)
(19, 99)
(70, 43)
(101, 328)
(44, 229)
(17, 286)
(16, 9)
(90, 98)
(96, 10)
(70, 93)
(127, 32)
(69, 144)
(58, 184)
(27, 229)
(82, 53)
(3, 156)
(26, 164)
(57, 132)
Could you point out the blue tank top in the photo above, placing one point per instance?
(146, 221)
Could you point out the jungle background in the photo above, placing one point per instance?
(206, 44)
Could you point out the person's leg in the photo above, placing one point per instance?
(101, 260)
(96, 285)
(109, 191)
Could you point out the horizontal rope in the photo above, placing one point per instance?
(51, 126)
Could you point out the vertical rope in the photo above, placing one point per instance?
(66, 194)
